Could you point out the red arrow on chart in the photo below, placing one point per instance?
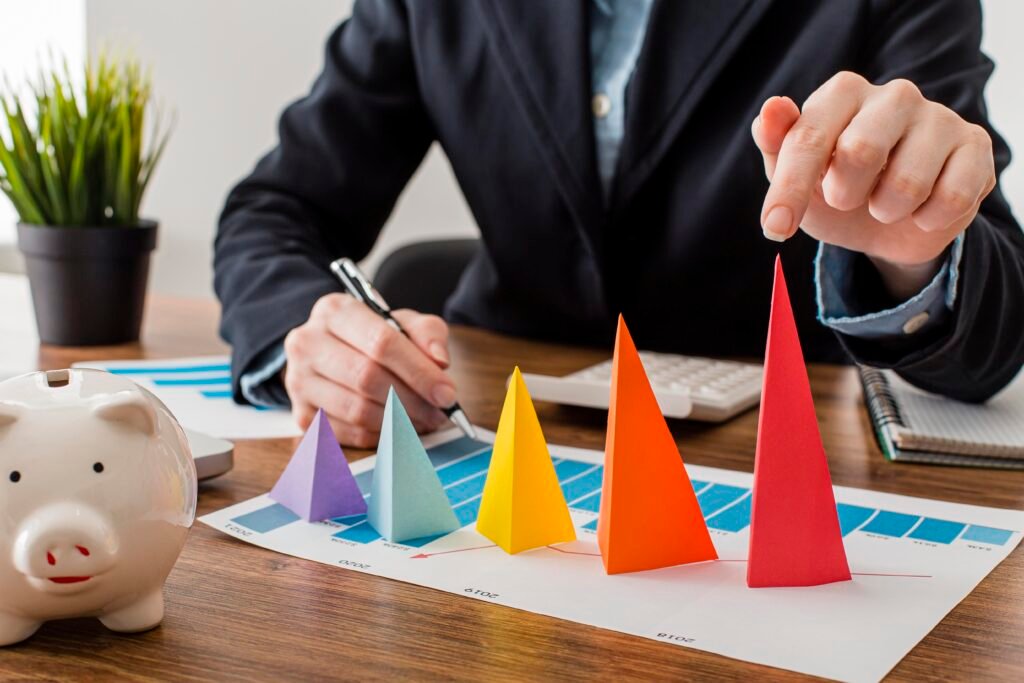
(422, 556)
(901, 576)
(573, 552)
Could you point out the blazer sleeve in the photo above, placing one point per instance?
(345, 153)
(980, 348)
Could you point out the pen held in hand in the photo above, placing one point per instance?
(359, 287)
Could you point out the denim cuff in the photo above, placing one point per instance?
(836, 285)
(262, 386)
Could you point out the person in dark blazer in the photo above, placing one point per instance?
(631, 156)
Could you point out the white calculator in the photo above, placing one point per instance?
(685, 386)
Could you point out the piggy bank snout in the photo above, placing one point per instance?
(64, 542)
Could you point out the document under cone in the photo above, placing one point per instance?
(407, 500)
(523, 506)
(795, 538)
(649, 515)
(317, 484)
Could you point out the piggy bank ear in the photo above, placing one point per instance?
(128, 408)
(9, 414)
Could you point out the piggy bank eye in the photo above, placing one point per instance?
(97, 467)
(15, 476)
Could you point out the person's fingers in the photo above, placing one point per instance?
(864, 147)
(425, 416)
(908, 179)
(353, 435)
(429, 332)
(777, 116)
(341, 403)
(806, 152)
(302, 412)
(348, 367)
(966, 179)
(358, 326)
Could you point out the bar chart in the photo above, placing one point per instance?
(908, 556)
(210, 381)
(462, 468)
(199, 392)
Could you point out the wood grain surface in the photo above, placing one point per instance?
(236, 612)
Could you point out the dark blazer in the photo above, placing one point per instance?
(503, 85)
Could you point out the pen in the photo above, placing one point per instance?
(357, 285)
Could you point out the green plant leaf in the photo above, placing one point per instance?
(82, 159)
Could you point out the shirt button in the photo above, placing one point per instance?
(601, 104)
(915, 323)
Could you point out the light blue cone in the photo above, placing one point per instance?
(407, 499)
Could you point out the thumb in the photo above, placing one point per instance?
(428, 332)
(777, 116)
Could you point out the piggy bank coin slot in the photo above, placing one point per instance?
(56, 379)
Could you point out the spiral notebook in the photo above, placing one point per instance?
(916, 426)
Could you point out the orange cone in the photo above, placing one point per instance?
(649, 513)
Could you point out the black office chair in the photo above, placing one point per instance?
(423, 275)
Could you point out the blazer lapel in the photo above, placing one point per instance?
(687, 44)
(543, 50)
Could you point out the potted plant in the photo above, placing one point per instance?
(73, 163)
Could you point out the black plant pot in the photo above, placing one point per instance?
(88, 283)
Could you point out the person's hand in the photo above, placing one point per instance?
(875, 169)
(345, 357)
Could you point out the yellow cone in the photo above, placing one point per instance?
(522, 506)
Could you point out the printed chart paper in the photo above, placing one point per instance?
(197, 391)
(912, 561)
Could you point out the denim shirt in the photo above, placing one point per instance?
(617, 30)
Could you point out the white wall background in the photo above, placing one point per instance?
(29, 31)
(227, 67)
(1002, 42)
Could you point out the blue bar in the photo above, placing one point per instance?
(852, 516)
(449, 474)
(351, 520)
(471, 488)
(360, 533)
(717, 497)
(169, 369)
(735, 518)
(225, 393)
(591, 503)
(444, 453)
(194, 382)
(937, 530)
(583, 486)
(570, 468)
(420, 542)
(894, 524)
(267, 519)
(467, 512)
(698, 484)
(986, 534)
(592, 525)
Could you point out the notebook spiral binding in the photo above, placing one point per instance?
(889, 422)
(881, 404)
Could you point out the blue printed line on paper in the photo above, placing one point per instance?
(168, 370)
(194, 382)
(220, 393)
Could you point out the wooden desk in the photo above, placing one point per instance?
(237, 612)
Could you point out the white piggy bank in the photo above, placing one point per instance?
(97, 494)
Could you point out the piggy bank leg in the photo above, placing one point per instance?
(143, 615)
(16, 629)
